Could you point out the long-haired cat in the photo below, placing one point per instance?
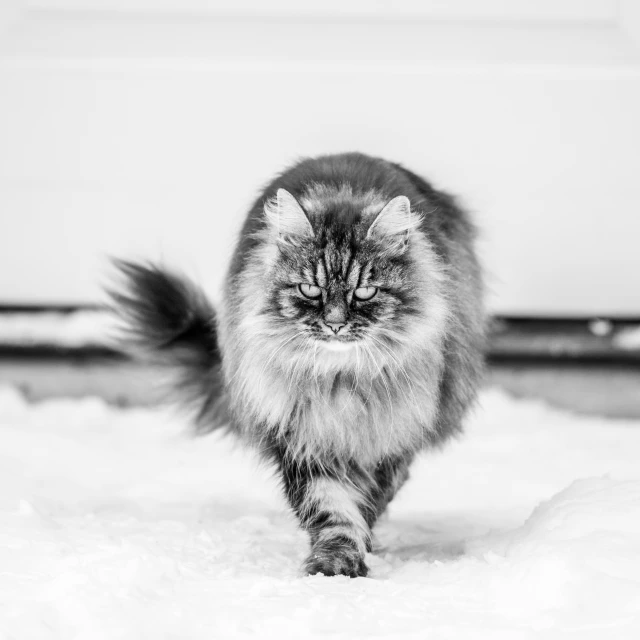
(350, 337)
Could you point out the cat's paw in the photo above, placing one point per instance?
(336, 562)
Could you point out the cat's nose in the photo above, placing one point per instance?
(335, 326)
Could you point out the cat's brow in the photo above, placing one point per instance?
(321, 274)
(353, 274)
(364, 273)
(308, 274)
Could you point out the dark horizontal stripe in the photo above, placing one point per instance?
(510, 338)
(560, 339)
(321, 519)
(48, 308)
(51, 352)
(339, 541)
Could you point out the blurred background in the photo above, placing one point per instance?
(145, 128)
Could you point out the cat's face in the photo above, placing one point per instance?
(338, 284)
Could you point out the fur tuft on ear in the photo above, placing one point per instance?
(286, 217)
(396, 219)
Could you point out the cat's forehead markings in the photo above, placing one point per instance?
(307, 273)
(321, 274)
(347, 262)
(338, 266)
(319, 197)
(331, 260)
(353, 274)
(365, 272)
(341, 260)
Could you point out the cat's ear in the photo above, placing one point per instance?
(286, 217)
(395, 222)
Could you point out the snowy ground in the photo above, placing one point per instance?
(115, 524)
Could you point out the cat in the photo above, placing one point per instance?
(350, 337)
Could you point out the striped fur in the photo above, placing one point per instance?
(341, 392)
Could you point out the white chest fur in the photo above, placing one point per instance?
(364, 412)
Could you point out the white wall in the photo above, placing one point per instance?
(144, 128)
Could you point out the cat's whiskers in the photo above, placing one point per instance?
(305, 360)
(322, 393)
(356, 379)
(261, 376)
(298, 358)
(366, 400)
(386, 386)
(354, 384)
(316, 377)
(401, 368)
(391, 411)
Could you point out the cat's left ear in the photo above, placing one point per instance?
(286, 217)
(395, 222)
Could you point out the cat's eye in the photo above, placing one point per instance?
(310, 291)
(365, 293)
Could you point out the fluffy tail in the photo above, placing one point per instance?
(169, 321)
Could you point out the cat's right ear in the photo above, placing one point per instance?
(286, 217)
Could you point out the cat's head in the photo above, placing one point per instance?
(349, 270)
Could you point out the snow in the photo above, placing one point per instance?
(116, 524)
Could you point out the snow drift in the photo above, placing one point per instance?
(117, 524)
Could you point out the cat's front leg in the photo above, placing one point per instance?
(387, 478)
(330, 507)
